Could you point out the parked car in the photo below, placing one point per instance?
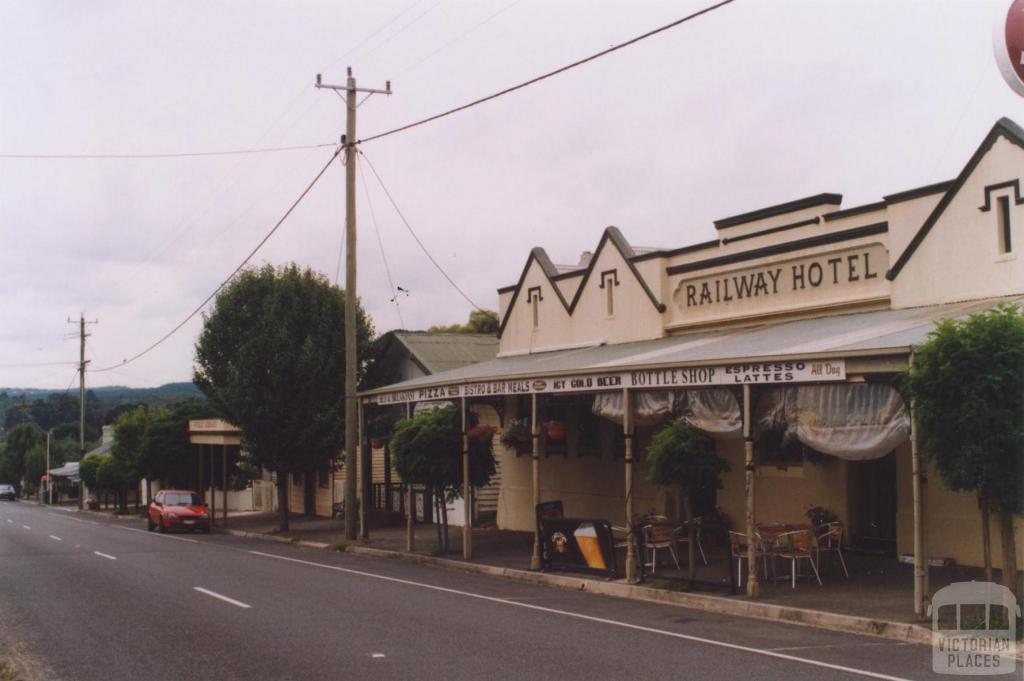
(8, 493)
(177, 509)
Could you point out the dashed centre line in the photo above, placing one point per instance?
(222, 597)
(55, 537)
(105, 555)
(26, 527)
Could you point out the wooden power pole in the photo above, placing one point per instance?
(351, 411)
(82, 361)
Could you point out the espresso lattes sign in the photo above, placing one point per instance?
(830, 278)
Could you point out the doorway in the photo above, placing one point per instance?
(873, 505)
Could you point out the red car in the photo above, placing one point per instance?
(177, 509)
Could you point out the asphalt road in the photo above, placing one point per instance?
(90, 598)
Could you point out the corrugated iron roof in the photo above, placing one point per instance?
(441, 352)
(863, 333)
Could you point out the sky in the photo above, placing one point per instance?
(754, 104)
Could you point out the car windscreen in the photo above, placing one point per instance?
(182, 500)
(6, 488)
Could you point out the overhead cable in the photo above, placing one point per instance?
(411, 231)
(545, 76)
(232, 275)
(383, 256)
(183, 154)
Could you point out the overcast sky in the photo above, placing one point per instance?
(756, 103)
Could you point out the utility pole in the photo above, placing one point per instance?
(49, 480)
(82, 335)
(351, 411)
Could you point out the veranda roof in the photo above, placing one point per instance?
(863, 334)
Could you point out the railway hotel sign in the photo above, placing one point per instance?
(851, 274)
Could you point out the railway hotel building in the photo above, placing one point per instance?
(814, 306)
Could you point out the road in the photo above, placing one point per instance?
(92, 598)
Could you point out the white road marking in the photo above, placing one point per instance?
(55, 537)
(9, 520)
(591, 618)
(377, 656)
(26, 527)
(847, 645)
(105, 555)
(232, 601)
(157, 534)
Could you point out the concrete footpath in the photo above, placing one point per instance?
(314, 533)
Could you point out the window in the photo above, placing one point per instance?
(297, 479)
(324, 475)
(609, 280)
(1003, 218)
(534, 297)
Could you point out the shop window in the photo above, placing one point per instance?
(775, 448)
(297, 479)
(1003, 218)
(324, 475)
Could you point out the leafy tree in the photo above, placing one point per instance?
(968, 391)
(427, 450)
(126, 452)
(87, 471)
(20, 441)
(480, 321)
(271, 360)
(683, 457)
(167, 455)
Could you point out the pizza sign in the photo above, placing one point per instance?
(1009, 46)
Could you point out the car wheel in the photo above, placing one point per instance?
(161, 526)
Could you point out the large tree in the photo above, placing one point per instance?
(480, 321)
(271, 360)
(21, 439)
(968, 391)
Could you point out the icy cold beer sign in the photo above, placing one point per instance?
(761, 373)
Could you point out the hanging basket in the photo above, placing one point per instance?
(557, 431)
(378, 442)
(481, 433)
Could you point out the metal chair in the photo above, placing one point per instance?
(738, 549)
(659, 537)
(796, 546)
(830, 538)
(682, 536)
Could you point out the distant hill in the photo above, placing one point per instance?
(48, 408)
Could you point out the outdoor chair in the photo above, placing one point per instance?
(830, 538)
(796, 546)
(738, 549)
(658, 537)
(683, 537)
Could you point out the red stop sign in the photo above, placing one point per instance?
(1009, 46)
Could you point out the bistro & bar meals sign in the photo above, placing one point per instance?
(797, 371)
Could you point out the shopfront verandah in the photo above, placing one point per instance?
(863, 349)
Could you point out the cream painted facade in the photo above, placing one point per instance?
(954, 242)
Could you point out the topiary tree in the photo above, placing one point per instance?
(683, 457)
(968, 392)
(427, 450)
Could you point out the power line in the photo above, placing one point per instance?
(458, 38)
(183, 154)
(26, 365)
(232, 275)
(409, 227)
(383, 256)
(398, 32)
(545, 76)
